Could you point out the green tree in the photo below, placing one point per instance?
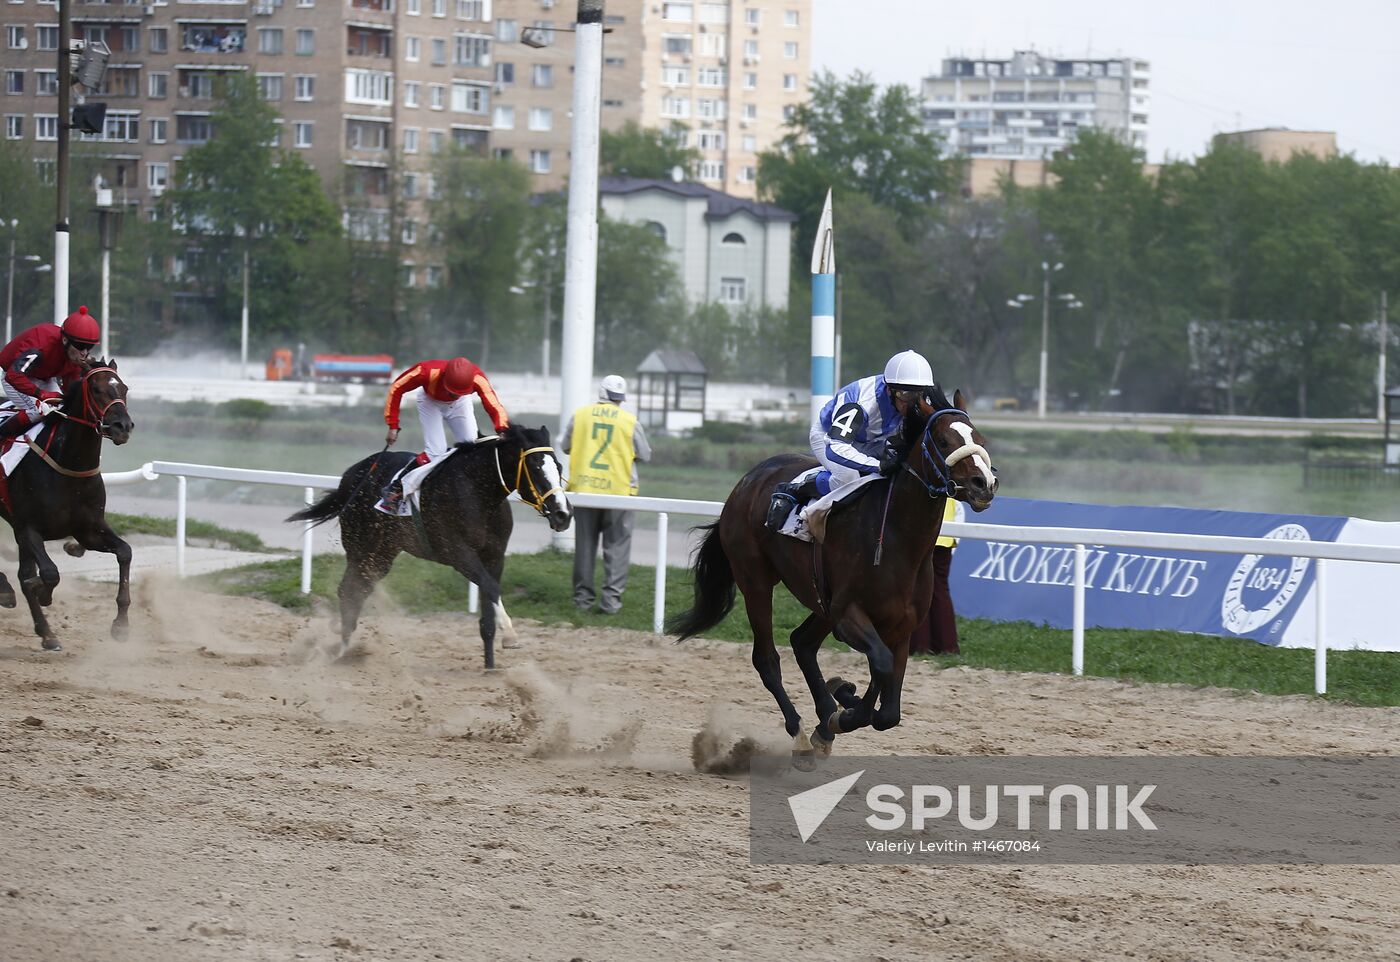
(637, 151)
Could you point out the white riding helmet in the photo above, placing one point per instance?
(909, 369)
(613, 388)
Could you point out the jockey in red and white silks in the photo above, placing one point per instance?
(40, 362)
(445, 399)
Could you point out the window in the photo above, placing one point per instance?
(411, 91)
(539, 161)
(614, 61)
(439, 8)
(712, 44)
(751, 17)
(306, 3)
(750, 143)
(469, 10)
(711, 170)
(129, 40)
(790, 18)
(159, 40)
(542, 75)
(507, 30)
(410, 182)
(413, 7)
(439, 53)
(710, 76)
(306, 87)
(410, 140)
(502, 153)
(366, 135)
(14, 81)
(731, 290)
(369, 87)
(47, 36)
(270, 86)
(160, 130)
(46, 126)
(734, 238)
(710, 140)
(675, 76)
(437, 96)
(679, 12)
(306, 42)
(750, 81)
(472, 50)
(676, 44)
(610, 102)
(470, 98)
(505, 73)
(270, 40)
(302, 132)
(432, 275)
(193, 128)
(123, 127)
(15, 40)
(412, 48)
(541, 118)
(46, 170)
(789, 112)
(748, 175)
(790, 50)
(437, 139)
(750, 111)
(714, 13)
(675, 106)
(709, 108)
(46, 82)
(410, 232)
(196, 85)
(751, 49)
(157, 177)
(789, 81)
(14, 126)
(120, 81)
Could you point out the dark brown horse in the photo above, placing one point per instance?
(57, 492)
(871, 607)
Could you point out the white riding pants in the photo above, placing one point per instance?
(457, 415)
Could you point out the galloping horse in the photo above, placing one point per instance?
(56, 491)
(869, 582)
(464, 523)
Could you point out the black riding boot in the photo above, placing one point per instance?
(787, 496)
(392, 495)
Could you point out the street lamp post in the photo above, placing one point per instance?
(108, 223)
(1020, 301)
(10, 284)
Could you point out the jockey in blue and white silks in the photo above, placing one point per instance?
(849, 435)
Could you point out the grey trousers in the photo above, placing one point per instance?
(615, 529)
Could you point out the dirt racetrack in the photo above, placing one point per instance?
(215, 789)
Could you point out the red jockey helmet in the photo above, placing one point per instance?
(457, 376)
(81, 328)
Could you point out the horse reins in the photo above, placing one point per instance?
(95, 424)
(520, 472)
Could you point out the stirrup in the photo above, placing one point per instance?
(391, 496)
(779, 508)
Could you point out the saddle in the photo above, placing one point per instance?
(410, 478)
(807, 521)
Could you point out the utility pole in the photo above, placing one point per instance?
(1044, 335)
(65, 119)
(1380, 372)
(243, 340)
(548, 320)
(10, 285)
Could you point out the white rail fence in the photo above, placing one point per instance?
(1079, 538)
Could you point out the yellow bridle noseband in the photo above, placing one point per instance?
(535, 499)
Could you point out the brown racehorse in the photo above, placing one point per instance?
(57, 492)
(872, 608)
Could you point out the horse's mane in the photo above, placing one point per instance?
(513, 432)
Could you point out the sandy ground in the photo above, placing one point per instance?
(215, 788)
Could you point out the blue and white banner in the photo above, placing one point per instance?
(1247, 596)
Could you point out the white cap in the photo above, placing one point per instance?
(614, 388)
(910, 369)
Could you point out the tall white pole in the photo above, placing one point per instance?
(1044, 335)
(823, 311)
(60, 230)
(1380, 371)
(581, 243)
(243, 349)
(10, 290)
(106, 297)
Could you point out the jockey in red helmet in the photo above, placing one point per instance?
(40, 362)
(445, 399)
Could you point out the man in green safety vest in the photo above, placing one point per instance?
(604, 444)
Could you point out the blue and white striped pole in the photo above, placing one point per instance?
(823, 312)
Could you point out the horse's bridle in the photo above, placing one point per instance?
(96, 420)
(520, 473)
(945, 486)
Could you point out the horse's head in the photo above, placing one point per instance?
(101, 401)
(538, 477)
(947, 453)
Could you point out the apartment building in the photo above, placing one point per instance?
(730, 72)
(1031, 105)
(356, 81)
(1279, 144)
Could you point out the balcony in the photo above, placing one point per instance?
(214, 38)
(363, 40)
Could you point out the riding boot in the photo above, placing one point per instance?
(784, 500)
(16, 425)
(392, 495)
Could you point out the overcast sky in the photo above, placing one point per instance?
(1216, 64)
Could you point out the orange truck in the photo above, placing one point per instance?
(282, 366)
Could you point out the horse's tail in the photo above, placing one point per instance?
(336, 501)
(714, 589)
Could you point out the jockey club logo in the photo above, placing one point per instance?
(1263, 585)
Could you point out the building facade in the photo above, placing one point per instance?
(1030, 105)
(728, 249)
(729, 72)
(1278, 144)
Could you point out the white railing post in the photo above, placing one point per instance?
(1078, 656)
(658, 612)
(1320, 641)
(306, 548)
(180, 484)
(473, 598)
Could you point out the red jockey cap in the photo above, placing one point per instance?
(82, 328)
(457, 376)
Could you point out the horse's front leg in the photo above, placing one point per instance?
(806, 640)
(103, 538)
(887, 714)
(470, 566)
(32, 584)
(856, 630)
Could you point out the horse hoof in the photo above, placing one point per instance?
(120, 632)
(821, 747)
(73, 548)
(7, 598)
(804, 761)
(51, 644)
(843, 691)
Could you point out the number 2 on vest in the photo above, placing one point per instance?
(606, 430)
